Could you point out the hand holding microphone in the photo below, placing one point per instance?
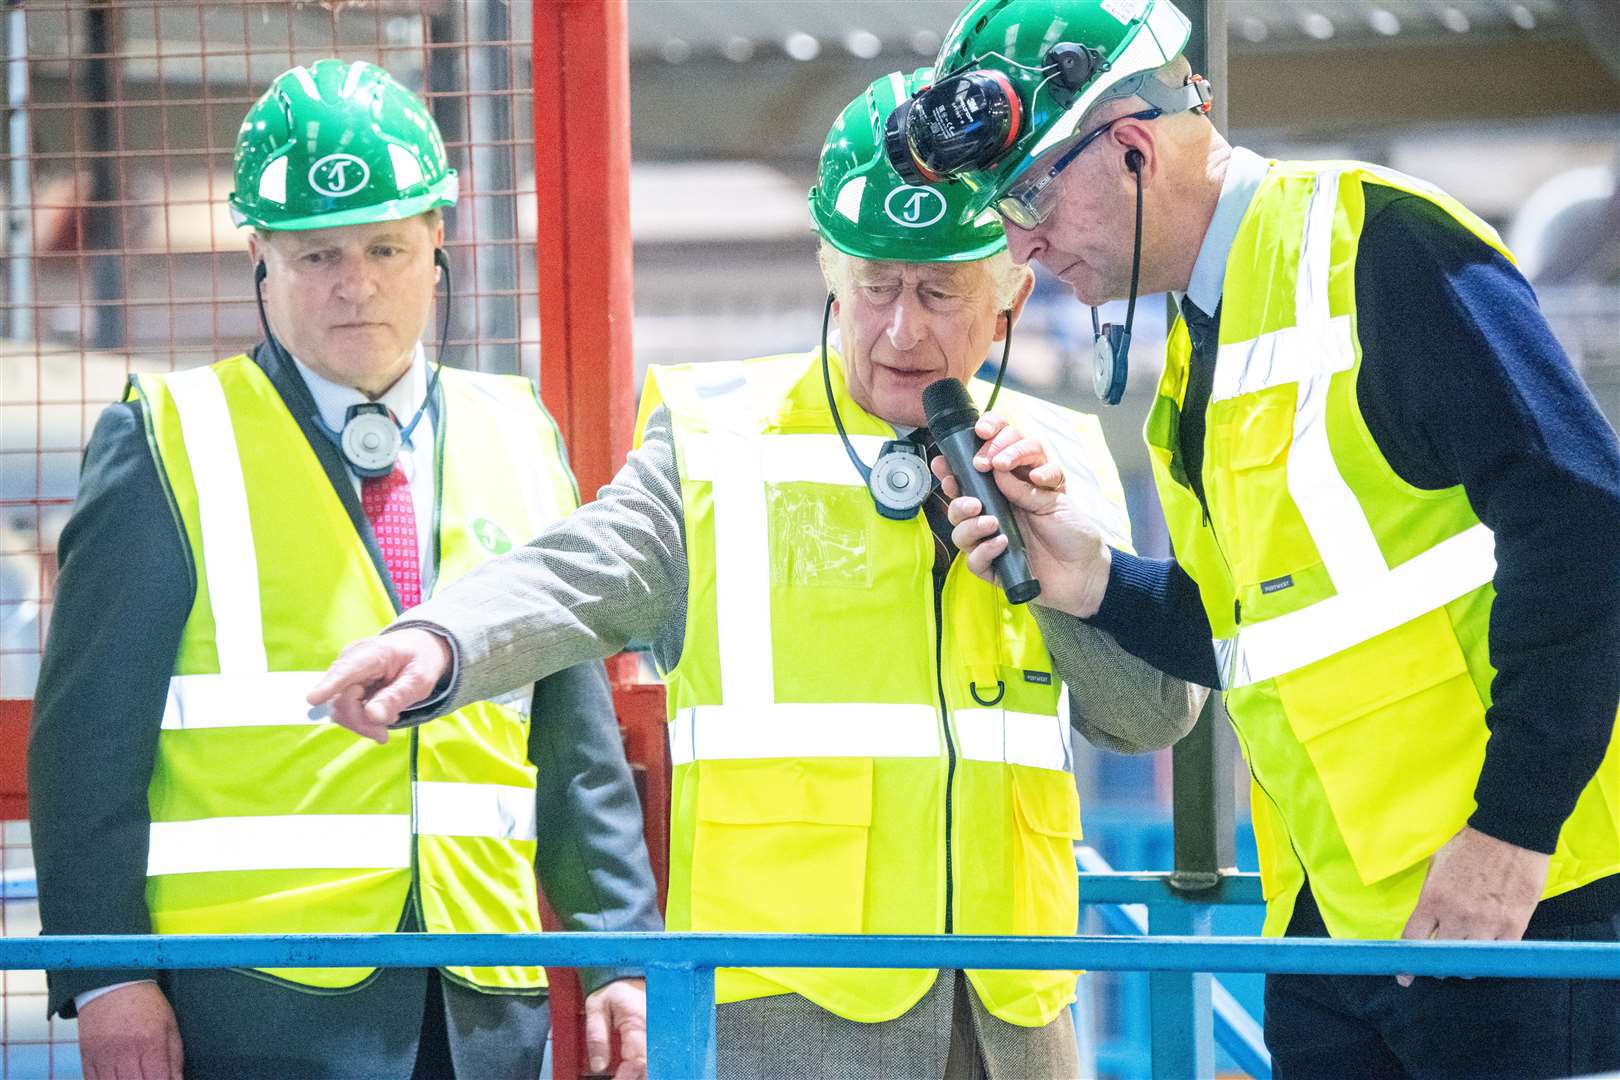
(951, 418)
(1060, 542)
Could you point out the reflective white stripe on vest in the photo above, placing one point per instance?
(1310, 353)
(523, 443)
(1264, 650)
(495, 810)
(741, 537)
(230, 562)
(789, 459)
(271, 699)
(340, 841)
(803, 730)
(1015, 738)
(280, 842)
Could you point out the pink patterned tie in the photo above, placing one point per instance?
(387, 502)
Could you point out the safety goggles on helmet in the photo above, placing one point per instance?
(968, 122)
(1031, 198)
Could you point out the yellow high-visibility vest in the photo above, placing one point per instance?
(843, 762)
(264, 820)
(1350, 610)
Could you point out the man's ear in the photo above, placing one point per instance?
(1012, 311)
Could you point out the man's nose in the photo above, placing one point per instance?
(905, 321)
(1022, 244)
(356, 280)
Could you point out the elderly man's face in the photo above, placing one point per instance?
(351, 301)
(904, 325)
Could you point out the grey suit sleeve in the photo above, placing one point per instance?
(612, 572)
(1117, 701)
(590, 854)
(122, 599)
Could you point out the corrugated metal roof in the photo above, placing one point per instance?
(805, 29)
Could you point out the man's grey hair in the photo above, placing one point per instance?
(1006, 276)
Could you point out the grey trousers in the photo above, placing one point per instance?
(948, 1035)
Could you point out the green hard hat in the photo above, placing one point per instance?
(334, 144)
(1108, 49)
(861, 206)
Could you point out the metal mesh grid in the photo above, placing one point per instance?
(119, 252)
(119, 256)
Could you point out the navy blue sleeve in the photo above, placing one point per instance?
(121, 602)
(1152, 608)
(1463, 382)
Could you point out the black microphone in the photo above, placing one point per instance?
(951, 416)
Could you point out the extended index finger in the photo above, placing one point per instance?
(358, 666)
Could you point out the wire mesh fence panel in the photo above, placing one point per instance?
(120, 256)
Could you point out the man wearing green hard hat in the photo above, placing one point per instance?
(866, 739)
(1395, 512)
(236, 525)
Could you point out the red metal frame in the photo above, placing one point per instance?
(581, 80)
(581, 74)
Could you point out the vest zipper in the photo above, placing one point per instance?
(950, 745)
(414, 901)
(1287, 831)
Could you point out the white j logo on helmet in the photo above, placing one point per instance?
(914, 207)
(339, 174)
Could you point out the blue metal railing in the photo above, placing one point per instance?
(1184, 1008)
(680, 967)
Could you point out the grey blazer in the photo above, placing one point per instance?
(614, 572)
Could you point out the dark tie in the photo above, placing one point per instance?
(387, 503)
(1204, 330)
(934, 505)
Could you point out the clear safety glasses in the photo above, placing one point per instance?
(1030, 199)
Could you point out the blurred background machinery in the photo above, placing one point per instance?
(119, 256)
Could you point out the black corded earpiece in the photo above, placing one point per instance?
(1111, 344)
(371, 437)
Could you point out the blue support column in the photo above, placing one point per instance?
(1183, 1031)
(680, 1021)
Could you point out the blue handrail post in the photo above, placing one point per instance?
(680, 1021)
(1183, 1029)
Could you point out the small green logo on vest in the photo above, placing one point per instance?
(491, 537)
(1277, 584)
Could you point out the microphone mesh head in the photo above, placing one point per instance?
(948, 407)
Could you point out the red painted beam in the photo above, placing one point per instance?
(581, 73)
(580, 64)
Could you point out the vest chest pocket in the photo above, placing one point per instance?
(1395, 731)
(1246, 478)
(819, 536)
(781, 844)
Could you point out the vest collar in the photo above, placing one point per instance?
(404, 397)
(1244, 172)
